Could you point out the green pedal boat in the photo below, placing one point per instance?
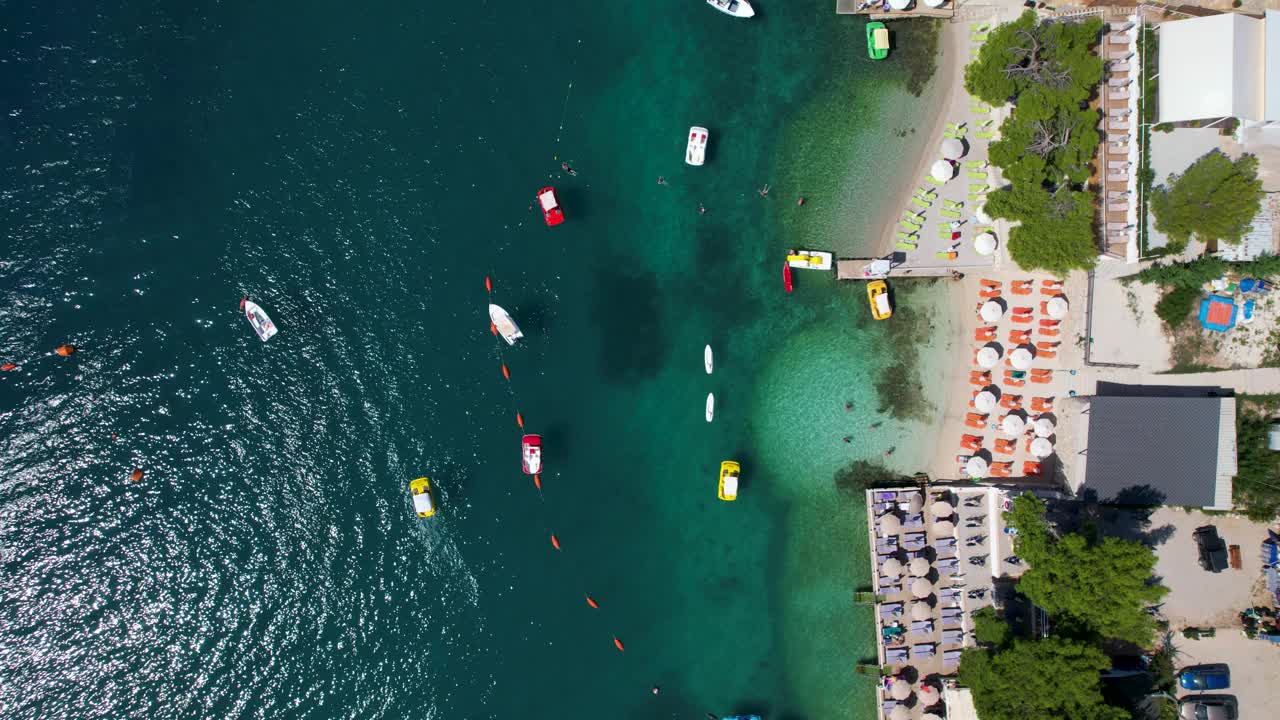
(877, 40)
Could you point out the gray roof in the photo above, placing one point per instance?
(1154, 450)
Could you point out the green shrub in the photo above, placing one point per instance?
(1215, 199)
(1176, 306)
(989, 629)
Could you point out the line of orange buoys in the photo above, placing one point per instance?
(537, 478)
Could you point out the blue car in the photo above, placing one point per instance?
(1205, 677)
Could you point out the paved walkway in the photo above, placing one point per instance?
(1258, 381)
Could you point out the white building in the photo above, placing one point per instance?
(1220, 66)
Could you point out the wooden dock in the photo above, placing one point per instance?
(850, 7)
(851, 269)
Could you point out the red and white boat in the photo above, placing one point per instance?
(550, 205)
(786, 276)
(531, 454)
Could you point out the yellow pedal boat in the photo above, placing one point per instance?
(423, 502)
(729, 481)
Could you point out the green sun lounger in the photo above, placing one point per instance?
(952, 135)
(908, 226)
(978, 164)
(912, 216)
(949, 214)
(974, 198)
(922, 190)
(906, 246)
(952, 205)
(977, 175)
(987, 134)
(909, 237)
(978, 187)
(980, 109)
(944, 233)
(986, 123)
(935, 180)
(920, 203)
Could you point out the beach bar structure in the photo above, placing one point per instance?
(1220, 66)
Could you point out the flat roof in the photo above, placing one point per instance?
(1158, 450)
(1213, 67)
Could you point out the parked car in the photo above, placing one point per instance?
(1205, 677)
(1209, 707)
(1213, 551)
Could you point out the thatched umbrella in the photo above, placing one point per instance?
(919, 567)
(944, 528)
(929, 716)
(941, 508)
(921, 611)
(900, 689)
(890, 524)
(916, 503)
(899, 712)
(892, 567)
(921, 588)
(928, 695)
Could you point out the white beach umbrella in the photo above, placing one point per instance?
(1057, 307)
(1044, 427)
(900, 689)
(991, 311)
(899, 4)
(891, 568)
(942, 171)
(915, 503)
(1041, 447)
(988, 357)
(980, 214)
(976, 467)
(890, 524)
(984, 244)
(941, 509)
(934, 3)
(944, 528)
(899, 712)
(921, 588)
(984, 402)
(919, 567)
(1013, 424)
(921, 611)
(1021, 358)
(952, 149)
(928, 695)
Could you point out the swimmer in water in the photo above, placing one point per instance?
(662, 180)
(565, 167)
(764, 191)
(847, 438)
(701, 210)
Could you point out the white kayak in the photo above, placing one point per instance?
(504, 325)
(706, 358)
(711, 406)
(736, 8)
(257, 317)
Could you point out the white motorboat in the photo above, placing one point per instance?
(810, 259)
(503, 325)
(736, 8)
(695, 153)
(258, 319)
(711, 406)
(706, 358)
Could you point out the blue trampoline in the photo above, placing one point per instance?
(1218, 313)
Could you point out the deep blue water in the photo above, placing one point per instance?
(359, 169)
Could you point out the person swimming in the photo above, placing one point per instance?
(565, 167)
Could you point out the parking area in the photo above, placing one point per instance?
(1197, 597)
(1255, 669)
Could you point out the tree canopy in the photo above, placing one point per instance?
(1091, 587)
(1215, 199)
(1027, 680)
(1056, 231)
(1037, 58)
(1056, 147)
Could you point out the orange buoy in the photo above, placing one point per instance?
(505, 372)
(136, 475)
(618, 644)
(488, 286)
(592, 603)
(537, 481)
(520, 420)
(8, 366)
(493, 329)
(65, 350)
(555, 542)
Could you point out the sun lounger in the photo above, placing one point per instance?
(1000, 469)
(1042, 404)
(923, 650)
(912, 521)
(1020, 318)
(1012, 381)
(953, 204)
(925, 192)
(944, 545)
(1011, 402)
(907, 225)
(890, 610)
(984, 334)
(905, 246)
(945, 255)
(976, 164)
(977, 174)
(909, 237)
(953, 636)
(949, 214)
(920, 203)
(935, 180)
(1022, 310)
(987, 134)
(898, 656)
(990, 283)
(952, 135)
(921, 627)
(977, 377)
(887, 545)
(1048, 332)
(1031, 468)
(882, 495)
(1004, 446)
(1118, 95)
(912, 215)
(979, 109)
(1041, 379)
(1049, 323)
(1019, 337)
(1118, 67)
(993, 293)
(950, 659)
(1117, 125)
(978, 187)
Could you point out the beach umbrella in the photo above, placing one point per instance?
(941, 509)
(891, 568)
(944, 528)
(1013, 424)
(900, 689)
(984, 244)
(976, 467)
(980, 214)
(928, 695)
(921, 588)
(915, 503)
(984, 402)
(899, 712)
(942, 171)
(991, 311)
(952, 149)
(1044, 427)
(988, 357)
(1057, 307)
(921, 611)
(1021, 358)
(899, 4)
(919, 567)
(1041, 447)
(890, 524)
(934, 3)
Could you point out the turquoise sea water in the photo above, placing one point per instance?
(359, 170)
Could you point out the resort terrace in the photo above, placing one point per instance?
(937, 551)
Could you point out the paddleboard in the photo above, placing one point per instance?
(706, 358)
(711, 406)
